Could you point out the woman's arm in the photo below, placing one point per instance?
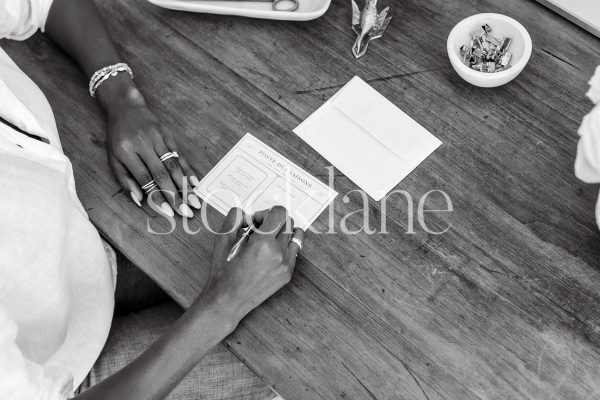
(155, 373)
(77, 27)
(135, 138)
(265, 264)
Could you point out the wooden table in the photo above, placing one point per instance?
(505, 305)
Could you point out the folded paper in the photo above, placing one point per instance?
(366, 137)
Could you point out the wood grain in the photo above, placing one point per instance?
(504, 305)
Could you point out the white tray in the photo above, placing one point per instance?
(308, 9)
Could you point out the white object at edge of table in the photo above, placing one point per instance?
(308, 9)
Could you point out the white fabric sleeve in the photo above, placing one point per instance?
(22, 379)
(587, 162)
(19, 19)
(594, 92)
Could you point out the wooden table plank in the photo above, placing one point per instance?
(504, 305)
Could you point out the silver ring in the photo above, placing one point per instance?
(147, 185)
(169, 154)
(298, 242)
(150, 188)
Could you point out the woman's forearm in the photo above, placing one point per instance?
(77, 27)
(164, 364)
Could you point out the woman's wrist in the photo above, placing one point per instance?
(119, 91)
(221, 306)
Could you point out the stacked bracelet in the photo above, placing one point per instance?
(103, 74)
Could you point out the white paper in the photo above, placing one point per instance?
(366, 137)
(255, 177)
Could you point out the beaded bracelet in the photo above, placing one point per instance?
(103, 74)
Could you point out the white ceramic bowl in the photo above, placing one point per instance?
(502, 26)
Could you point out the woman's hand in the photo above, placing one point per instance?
(136, 141)
(135, 138)
(264, 264)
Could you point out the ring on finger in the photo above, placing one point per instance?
(298, 242)
(151, 188)
(168, 155)
(148, 187)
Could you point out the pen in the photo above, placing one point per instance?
(238, 245)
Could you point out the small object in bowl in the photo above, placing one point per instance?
(486, 53)
(519, 47)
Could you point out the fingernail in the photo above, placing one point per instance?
(135, 199)
(194, 181)
(194, 201)
(185, 210)
(166, 208)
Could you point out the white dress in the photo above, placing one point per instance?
(56, 277)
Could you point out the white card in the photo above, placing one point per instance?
(255, 177)
(366, 137)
